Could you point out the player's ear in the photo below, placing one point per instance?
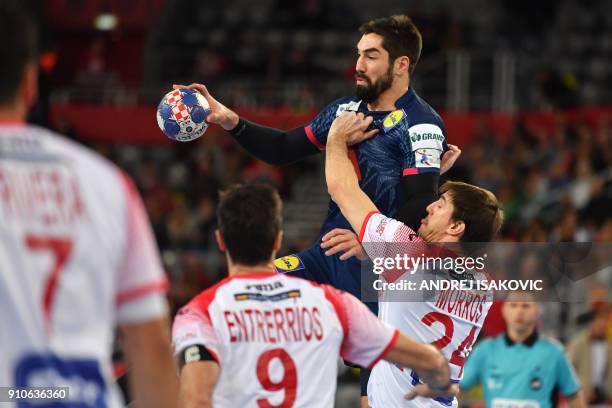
(277, 241)
(401, 65)
(220, 241)
(28, 91)
(456, 229)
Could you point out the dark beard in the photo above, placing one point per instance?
(371, 92)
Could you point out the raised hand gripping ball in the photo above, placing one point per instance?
(182, 113)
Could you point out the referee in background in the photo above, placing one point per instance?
(519, 368)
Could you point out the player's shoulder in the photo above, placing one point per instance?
(346, 103)
(81, 156)
(228, 287)
(420, 112)
(203, 300)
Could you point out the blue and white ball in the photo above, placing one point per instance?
(182, 114)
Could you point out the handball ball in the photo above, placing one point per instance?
(182, 113)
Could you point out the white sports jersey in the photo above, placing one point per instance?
(277, 339)
(77, 256)
(448, 319)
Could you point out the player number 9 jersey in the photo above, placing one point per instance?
(277, 339)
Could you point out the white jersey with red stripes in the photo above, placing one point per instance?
(448, 319)
(277, 339)
(77, 257)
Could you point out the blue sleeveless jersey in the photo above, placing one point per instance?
(410, 141)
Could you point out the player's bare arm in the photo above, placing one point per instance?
(426, 360)
(152, 370)
(342, 183)
(350, 128)
(345, 241)
(198, 380)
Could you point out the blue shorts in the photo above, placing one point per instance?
(314, 265)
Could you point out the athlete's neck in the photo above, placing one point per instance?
(386, 100)
(433, 238)
(11, 114)
(519, 336)
(238, 269)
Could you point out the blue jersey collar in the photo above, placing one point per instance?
(406, 99)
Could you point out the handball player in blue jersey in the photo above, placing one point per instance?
(398, 168)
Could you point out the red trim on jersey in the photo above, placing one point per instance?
(12, 122)
(120, 369)
(365, 224)
(204, 299)
(212, 353)
(312, 138)
(387, 349)
(131, 294)
(200, 305)
(410, 172)
(333, 297)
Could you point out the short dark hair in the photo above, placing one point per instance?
(400, 37)
(477, 208)
(18, 48)
(249, 217)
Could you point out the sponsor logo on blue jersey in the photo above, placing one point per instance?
(392, 119)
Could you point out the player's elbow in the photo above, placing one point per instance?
(336, 189)
(194, 398)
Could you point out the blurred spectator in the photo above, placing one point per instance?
(261, 172)
(206, 220)
(191, 281)
(590, 351)
(181, 225)
(208, 65)
(558, 91)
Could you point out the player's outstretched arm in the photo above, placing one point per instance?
(198, 380)
(425, 359)
(152, 370)
(270, 145)
(342, 182)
